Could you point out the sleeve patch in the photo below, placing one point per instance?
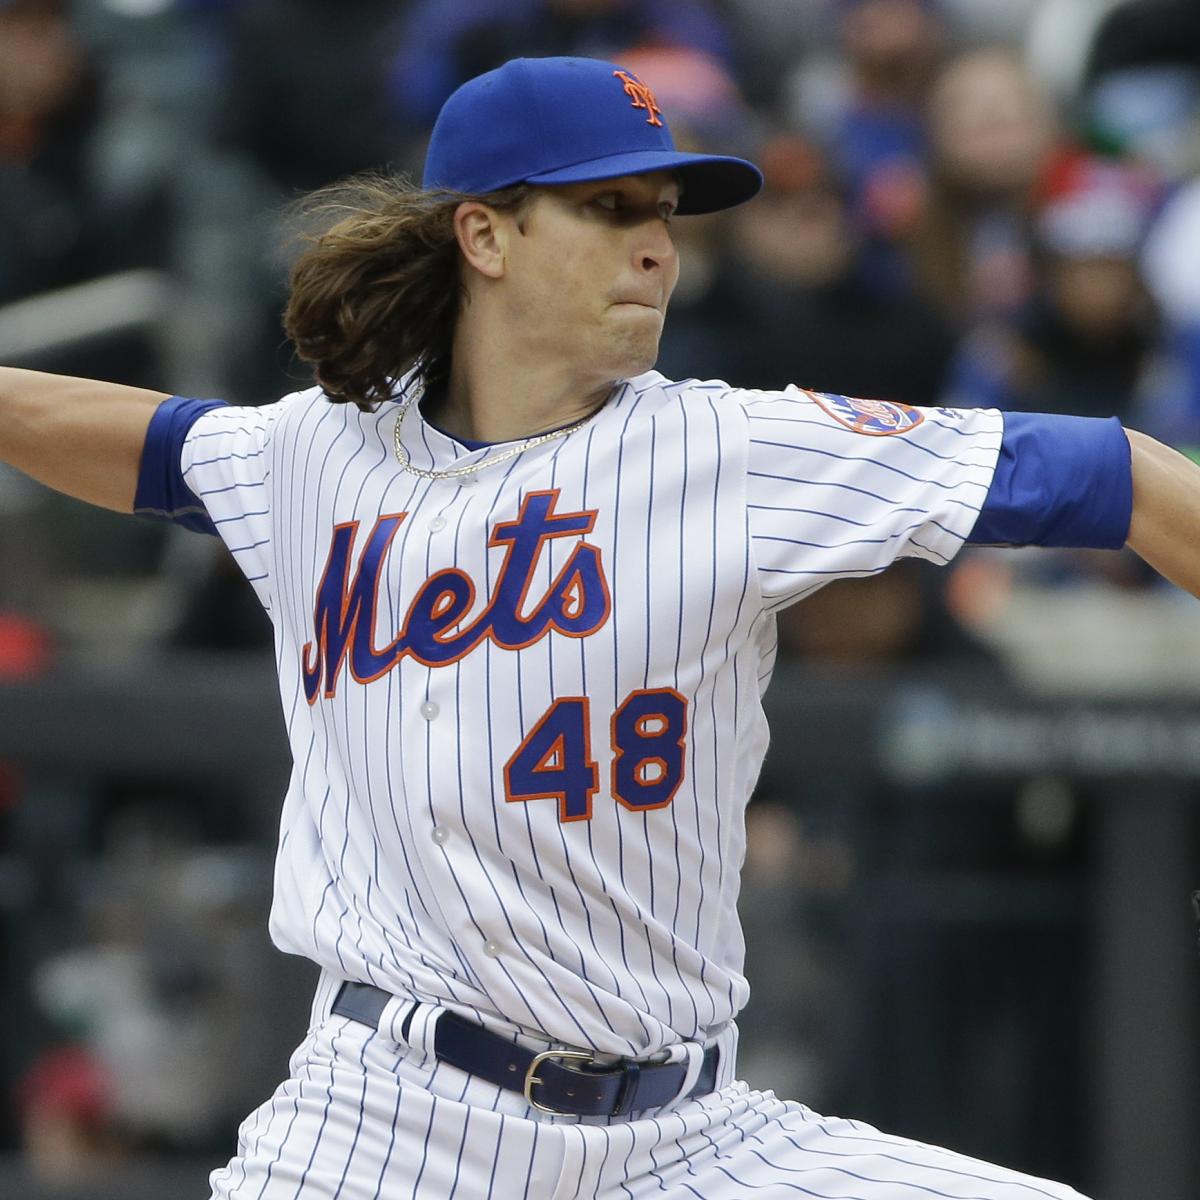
(877, 418)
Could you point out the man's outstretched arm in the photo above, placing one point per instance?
(1165, 526)
(78, 436)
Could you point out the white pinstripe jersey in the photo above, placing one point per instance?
(524, 705)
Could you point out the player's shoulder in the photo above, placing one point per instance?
(308, 412)
(719, 391)
(864, 416)
(233, 412)
(793, 402)
(654, 389)
(733, 405)
(311, 400)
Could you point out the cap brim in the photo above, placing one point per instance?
(710, 182)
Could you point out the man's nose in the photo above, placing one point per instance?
(656, 247)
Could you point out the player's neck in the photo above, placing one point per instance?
(491, 398)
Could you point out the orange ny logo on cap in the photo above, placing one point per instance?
(641, 96)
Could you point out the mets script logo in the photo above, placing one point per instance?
(877, 417)
(641, 96)
(433, 631)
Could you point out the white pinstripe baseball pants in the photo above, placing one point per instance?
(363, 1117)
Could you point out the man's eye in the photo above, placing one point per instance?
(609, 200)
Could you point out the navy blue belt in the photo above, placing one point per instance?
(587, 1089)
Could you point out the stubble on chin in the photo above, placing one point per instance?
(635, 349)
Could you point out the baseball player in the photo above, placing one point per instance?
(523, 592)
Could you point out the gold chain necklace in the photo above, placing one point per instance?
(456, 472)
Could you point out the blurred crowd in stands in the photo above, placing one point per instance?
(967, 203)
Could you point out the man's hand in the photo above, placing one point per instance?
(78, 436)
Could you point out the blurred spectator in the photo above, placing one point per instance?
(1086, 339)
(1147, 33)
(1143, 97)
(1172, 410)
(1151, 113)
(991, 133)
(26, 648)
(771, 37)
(867, 107)
(1142, 85)
(66, 1102)
(50, 231)
(306, 95)
(1172, 252)
(303, 102)
(164, 985)
(442, 45)
(793, 302)
(1089, 342)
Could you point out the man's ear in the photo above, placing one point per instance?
(482, 235)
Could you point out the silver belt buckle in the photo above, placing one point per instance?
(531, 1078)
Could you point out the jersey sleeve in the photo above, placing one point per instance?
(841, 487)
(1060, 481)
(161, 493)
(225, 462)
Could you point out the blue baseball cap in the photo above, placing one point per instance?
(570, 120)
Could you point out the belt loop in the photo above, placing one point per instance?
(626, 1101)
(396, 1019)
(422, 1027)
(694, 1053)
(326, 992)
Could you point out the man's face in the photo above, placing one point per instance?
(890, 34)
(589, 273)
(989, 123)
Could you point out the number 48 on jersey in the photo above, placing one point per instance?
(647, 738)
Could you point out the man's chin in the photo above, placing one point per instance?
(637, 356)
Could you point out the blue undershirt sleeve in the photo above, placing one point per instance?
(161, 490)
(1060, 481)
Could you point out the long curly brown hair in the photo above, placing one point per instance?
(377, 289)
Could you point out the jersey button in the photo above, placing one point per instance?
(437, 524)
(428, 710)
(440, 834)
(491, 948)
